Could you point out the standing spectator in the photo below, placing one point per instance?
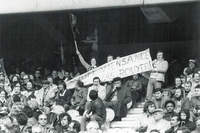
(87, 66)
(117, 98)
(98, 87)
(157, 76)
(55, 77)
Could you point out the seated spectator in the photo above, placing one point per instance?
(22, 120)
(195, 80)
(158, 98)
(178, 85)
(178, 98)
(93, 127)
(197, 123)
(117, 98)
(98, 87)
(64, 95)
(169, 107)
(78, 100)
(29, 113)
(95, 111)
(184, 117)
(195, 101)
(187, 89)
(191, 67)
(174, 123)
(147, 117)
(63, 123)
(136, 88)
(28, 90)
(74, 126)
(159, 123)
(3, 98)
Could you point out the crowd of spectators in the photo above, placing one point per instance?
(37, 103)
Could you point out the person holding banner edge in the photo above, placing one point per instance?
(157, 75)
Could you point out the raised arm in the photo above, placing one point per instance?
(82, 60)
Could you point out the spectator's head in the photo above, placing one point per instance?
(117, 82)
(36, 129)
(50, 79)
(28, 111)
(196, 77)
(159, 55)
(22, 119)
(16, 89)
(109, 58)
(15, 109)
(158, 114)
(22, 74)
(3, 94)
(184, 115)
(149, 107)
(183, 79)
(15, 79)
(61, 85)
(96, 81)
(192, 63)
(93, 127)
(29, 85)
(188, 86)
(37, 74)
(26, 79)
(45, 84)
(93, 95)
(158, 93)
(174, 121)
(178, 81)
(42, 119)
(75, 126)
(54, 74)
(93, 62)
(16, 98)
(170, 105)
(178, 93)
(65, 119)
(79, 84)
(135, 76)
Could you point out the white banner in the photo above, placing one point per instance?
(122, 67)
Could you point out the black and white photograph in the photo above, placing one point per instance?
(99, 66)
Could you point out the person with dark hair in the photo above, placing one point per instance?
(195, 80)
(109, 58)
(158, 98)
(64, 95)
(178, 98)
(79, 100)
(98, 87)
(191, 67)
(169, 107)
(75, 126)
(22, 120)
(63, 123)
(3, 98)
(117, 98)
(95, 110)
(174, 122)
(197, 123)
(147, 117)
(157, 76)
(184, 117)
(29, 113)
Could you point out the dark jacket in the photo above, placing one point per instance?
(123, 97)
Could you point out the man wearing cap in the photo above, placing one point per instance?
(159, 123)
(157, 76)
(117, 98)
